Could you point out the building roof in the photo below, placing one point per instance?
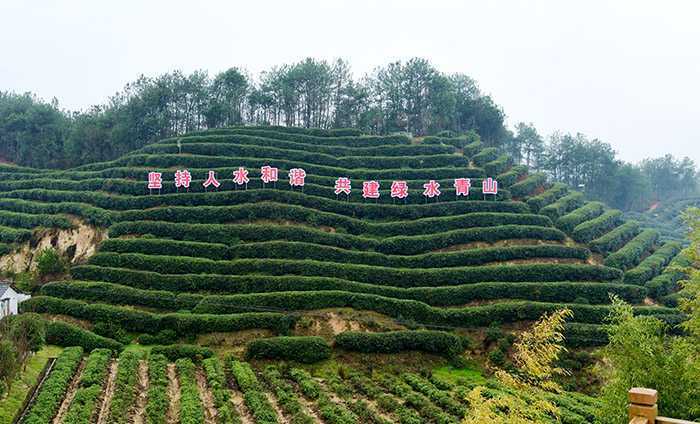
(3, 288)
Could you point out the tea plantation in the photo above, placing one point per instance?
(276, 272)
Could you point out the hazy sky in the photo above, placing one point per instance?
(626, 72)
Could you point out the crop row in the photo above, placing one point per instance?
(158, 161)
(125, 388)
(222, 198)
(428, 411)
(147, 322)
(596, 227)
(302, 250)
(300, 214)
(436, 395)
(528, 185)
(326, 190)
(216, 379)
(253, 393)
(384, 400)
(330, 412)
(23, 220)
(615, 239)
(307, 349)
(191, 409)
(61, 333)
(470, 144)
(340, 137)
(84, 406)
(590, 210)
(512, 176)
(413, 277)
(653, 264)
(631, 253)
(551, 195)
(54, 388)
(158, 398)
(306, 157)
(286, 396)
(398, 245)
(14, 235)
(179, 298)
(498, 166)
(301, 145)
(563, 205)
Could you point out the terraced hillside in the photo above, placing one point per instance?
(285, 260)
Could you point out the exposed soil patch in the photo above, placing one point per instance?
(70, 394)
(239, 406)
(499, 243)
(207, 398)
(173, 416)
(539, 261)
(142, 397)
(281, 418)
(108, 394)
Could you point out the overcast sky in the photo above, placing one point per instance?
(626, 72)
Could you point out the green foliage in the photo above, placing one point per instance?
(631, 253)
(158, 399)
(498, 166)
(54, 388)
(287, 398)
(50, 262)
(547, 197)
(216, 379)
(485, 156)
(563, 205)
(437, 342)
(653, 264)
(193, 353)
(305, 349)
(9, 365)
(146, 322)
(640, 355)
(124, 387)
(61, 333)
(528, 185)
(615, 239)
(515, 173)
(84, 406)
(596, 227)
(191, 409)
(253, 394)
(586, 212)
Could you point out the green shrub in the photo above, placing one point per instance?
(124, 387)
(50, 262)
(164, 337)
(631, 253)
(61, 333)
(191, 409)
(192, 352)
(551, 195)
(360, 273)
(563, 205)
(158, 398)
(653, 264)
(255, 399)
(497, 166)
(305, 349)
(511, 177)
(484, 156)
(14, 235)
(615, 239)
(437, 342)
(528, 185)
(590, 210)
(596, 227)
(54, 388)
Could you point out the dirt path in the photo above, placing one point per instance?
(207, 398)
(70, 394)
(109, 392)
(308, 407)
(173, 416)
(142, 397)
(239, 405)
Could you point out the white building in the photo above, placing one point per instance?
(10, 300)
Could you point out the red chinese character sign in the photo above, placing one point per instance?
(342, 185)
(462, 186)
(155, 181)
(211, 180)
(432, 189)
(399, 190)
(489, 186)
(240, 176)
(182, 179)
(268, 174)
(370, 189)
(297, 177)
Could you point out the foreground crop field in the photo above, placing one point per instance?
(139, 388)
